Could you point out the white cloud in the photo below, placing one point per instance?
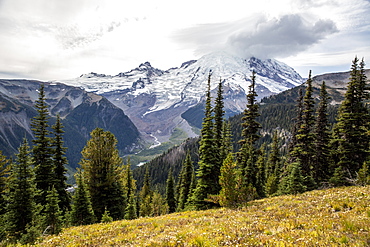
(47, 39)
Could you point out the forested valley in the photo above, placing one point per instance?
(247, 157)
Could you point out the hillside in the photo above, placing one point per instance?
(332, 217)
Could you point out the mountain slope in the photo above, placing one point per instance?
(333, 217)
(81, 112)
(155, 99)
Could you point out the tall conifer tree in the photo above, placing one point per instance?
(4, 172)
(207, 183)
(21, 205)
(60, 161)
(102, 165)
(82, 212)
(146, 195)
(170, 192)
(322, 138)
(351, 134)
(42, 149)
(186, 179)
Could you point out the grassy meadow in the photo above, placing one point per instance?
(332, 217)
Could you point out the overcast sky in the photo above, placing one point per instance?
(62, 39)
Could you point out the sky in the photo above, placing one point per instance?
(62, 39)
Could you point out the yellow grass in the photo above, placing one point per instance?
(334, 217)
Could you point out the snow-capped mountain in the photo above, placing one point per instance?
(155, 99)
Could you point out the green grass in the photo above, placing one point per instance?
(333, 217)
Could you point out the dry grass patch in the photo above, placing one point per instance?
(334, 217)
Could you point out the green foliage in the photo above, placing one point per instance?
(21, 191)
(185, 182)
(294, 181)
(42, 149)
(350, 135)
(82, 212)
(52, 221)
(60, 161)
(170, 193)
(4, 172)
(363, 176)
(102, 165)
(106, 218)
(229, 194)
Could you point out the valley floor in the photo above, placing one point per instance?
(333, 217)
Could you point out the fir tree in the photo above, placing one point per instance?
(363, 176)
(226, 146)
(351, 131)
(158, 205)
(297, 124)
(293, 182)
(250, 127)
(218, 130)
(42, 149)
(60, 161)
(186, 179)
(82, 212)
(261, 172)
(322, 138)
(102, 170)
(106, 218)
(273, 167)
(207, 183)
(130, 188)
(146, 196)
(170, 192)
(52, 213)
(304, 149)
(229, 194)
(20, 207)
(4, 172)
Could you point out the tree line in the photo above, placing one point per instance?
(34, 194)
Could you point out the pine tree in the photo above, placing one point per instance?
(106, 218)
(52, 213)
(4, 172)
(146, 195)
(273, 167)
(363, 176)
(186, 179)
(82, 212)
(20, 207)
(261, 172)
(170, 192)
(297, 124)
(226, 146)
(60, 161)
(102, 170)
(304, 149)
(218, 131)
(207, 183)
(351, 131)
(42, 150)
(228, 180)
(130, 188)
(158, 205)
(293, 182)
(322, 138)
(247, 154)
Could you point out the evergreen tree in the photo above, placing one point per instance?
(293, 182)
(247, 154)
(4, 172)
(227, 146)
(261, 172)
(42, 149)
(146, 195)
(60, 161)
(186, 179)
(273, 167)
(102, 170)
(207, 183)
(363, 176)
(218, 130)
(82, 212)
(304, 150)
(229, 194)
(106, 218)
(170, 192)
(158, 205)
(130, 188)
(351, 135)
(52, 213)
(20, 207)
(322, 138)
(297, 124)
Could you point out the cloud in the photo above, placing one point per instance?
(259, 36)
